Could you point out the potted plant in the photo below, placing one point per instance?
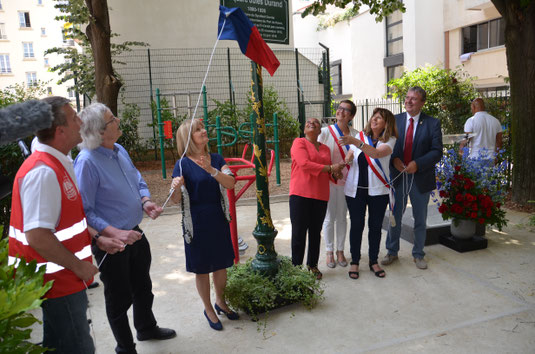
(470, 191)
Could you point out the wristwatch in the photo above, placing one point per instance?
(97, 235)
(361, 145)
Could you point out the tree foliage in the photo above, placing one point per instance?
(449, 94)
(378, 8)
(80, 65)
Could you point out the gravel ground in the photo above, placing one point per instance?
(159, 188)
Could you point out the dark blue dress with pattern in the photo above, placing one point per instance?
(211, 247)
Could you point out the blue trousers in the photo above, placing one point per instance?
(65, 326)
(419, 202)
(357, 212)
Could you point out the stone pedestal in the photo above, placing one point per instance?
(464, 245)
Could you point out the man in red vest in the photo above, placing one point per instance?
(48, 224)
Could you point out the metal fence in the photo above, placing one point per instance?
(179, 74)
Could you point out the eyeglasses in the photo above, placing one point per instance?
(114, 119)
(344, 109)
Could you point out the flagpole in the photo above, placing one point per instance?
(265, 261)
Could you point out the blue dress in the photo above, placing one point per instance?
(211, 248)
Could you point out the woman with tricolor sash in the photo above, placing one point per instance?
(368, 185)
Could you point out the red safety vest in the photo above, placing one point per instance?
(71, 231)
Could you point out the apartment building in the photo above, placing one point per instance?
(365, 55)
(27, 30)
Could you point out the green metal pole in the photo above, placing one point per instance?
(265, 261)
(300, 112)
(205, 105)
(276, 141)
(160, 131)
(218, 134)
(151, 110)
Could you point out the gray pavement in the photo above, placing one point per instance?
(476, 302)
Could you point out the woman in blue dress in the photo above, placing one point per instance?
(210, 248)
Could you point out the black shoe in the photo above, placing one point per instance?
(352, 274)
(215, 325)
(156, 333)
(231, 315)
(93, 285)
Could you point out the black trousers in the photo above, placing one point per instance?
(306, 214)
(127, 282)
(357, 212)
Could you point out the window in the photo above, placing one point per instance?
(49, 91)
(5, 66)
(28, 50)
(393, 72)
(394, 34)
(24, 20)
(336, 77)
(3, 34)
(31, 79)
(483, 36)
(46, 62)
(39, 2)
(1, 8)
(43, 31)
(71, 92)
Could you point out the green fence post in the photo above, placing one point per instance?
(160, 131)
(205, 105)
(218, 134)
(151, 110)
(276, 142)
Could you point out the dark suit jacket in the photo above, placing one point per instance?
(426, 150)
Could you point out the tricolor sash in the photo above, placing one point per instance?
(337, 133)
(375, 166)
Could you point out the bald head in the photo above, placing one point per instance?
(478, 105)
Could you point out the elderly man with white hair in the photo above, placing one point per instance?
(115, 196)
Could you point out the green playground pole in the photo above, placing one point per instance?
(218, 134)
(160, 131)
(276, 142)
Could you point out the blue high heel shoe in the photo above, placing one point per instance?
(215, 325)
(231, 315)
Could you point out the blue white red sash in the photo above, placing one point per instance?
(337, 133)
(375, 166)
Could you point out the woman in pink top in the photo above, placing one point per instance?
(309, 193)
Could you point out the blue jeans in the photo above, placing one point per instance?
(419, 203)
(65, 326)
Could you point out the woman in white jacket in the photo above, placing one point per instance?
(367, 185)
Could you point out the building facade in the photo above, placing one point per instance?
(27, 30)
(365, 55)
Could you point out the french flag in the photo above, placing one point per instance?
(238, 27)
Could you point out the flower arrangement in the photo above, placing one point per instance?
(470, 189)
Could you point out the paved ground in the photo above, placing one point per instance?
(477, 302)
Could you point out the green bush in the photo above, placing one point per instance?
(20, 291)
(166, 115)
(449, 94)
(130, 138)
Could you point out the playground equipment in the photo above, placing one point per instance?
(245, 131)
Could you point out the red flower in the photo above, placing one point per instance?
(443, 194)
(442, 208)
(474, 207)
(489, 213)
(459, 197)
(457, 168)
(469, 197)
(456, 208)
(473, 215)
(481, 221)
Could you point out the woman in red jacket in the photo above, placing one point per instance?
(309, 193)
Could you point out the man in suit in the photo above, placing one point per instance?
(417, 151)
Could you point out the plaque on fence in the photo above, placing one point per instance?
(271, 17)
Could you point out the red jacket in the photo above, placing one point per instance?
(71, 231)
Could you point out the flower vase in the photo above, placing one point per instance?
(463, 229)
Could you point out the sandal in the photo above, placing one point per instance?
(380, 273)
(316, 272)
(352, 274)
(330, 260)
(341, 258)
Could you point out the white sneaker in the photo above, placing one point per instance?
(420, 263)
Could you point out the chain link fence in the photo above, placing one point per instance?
(179, 73)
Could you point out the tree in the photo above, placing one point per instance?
(93, 67)
(519, 17)
(379, 8)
